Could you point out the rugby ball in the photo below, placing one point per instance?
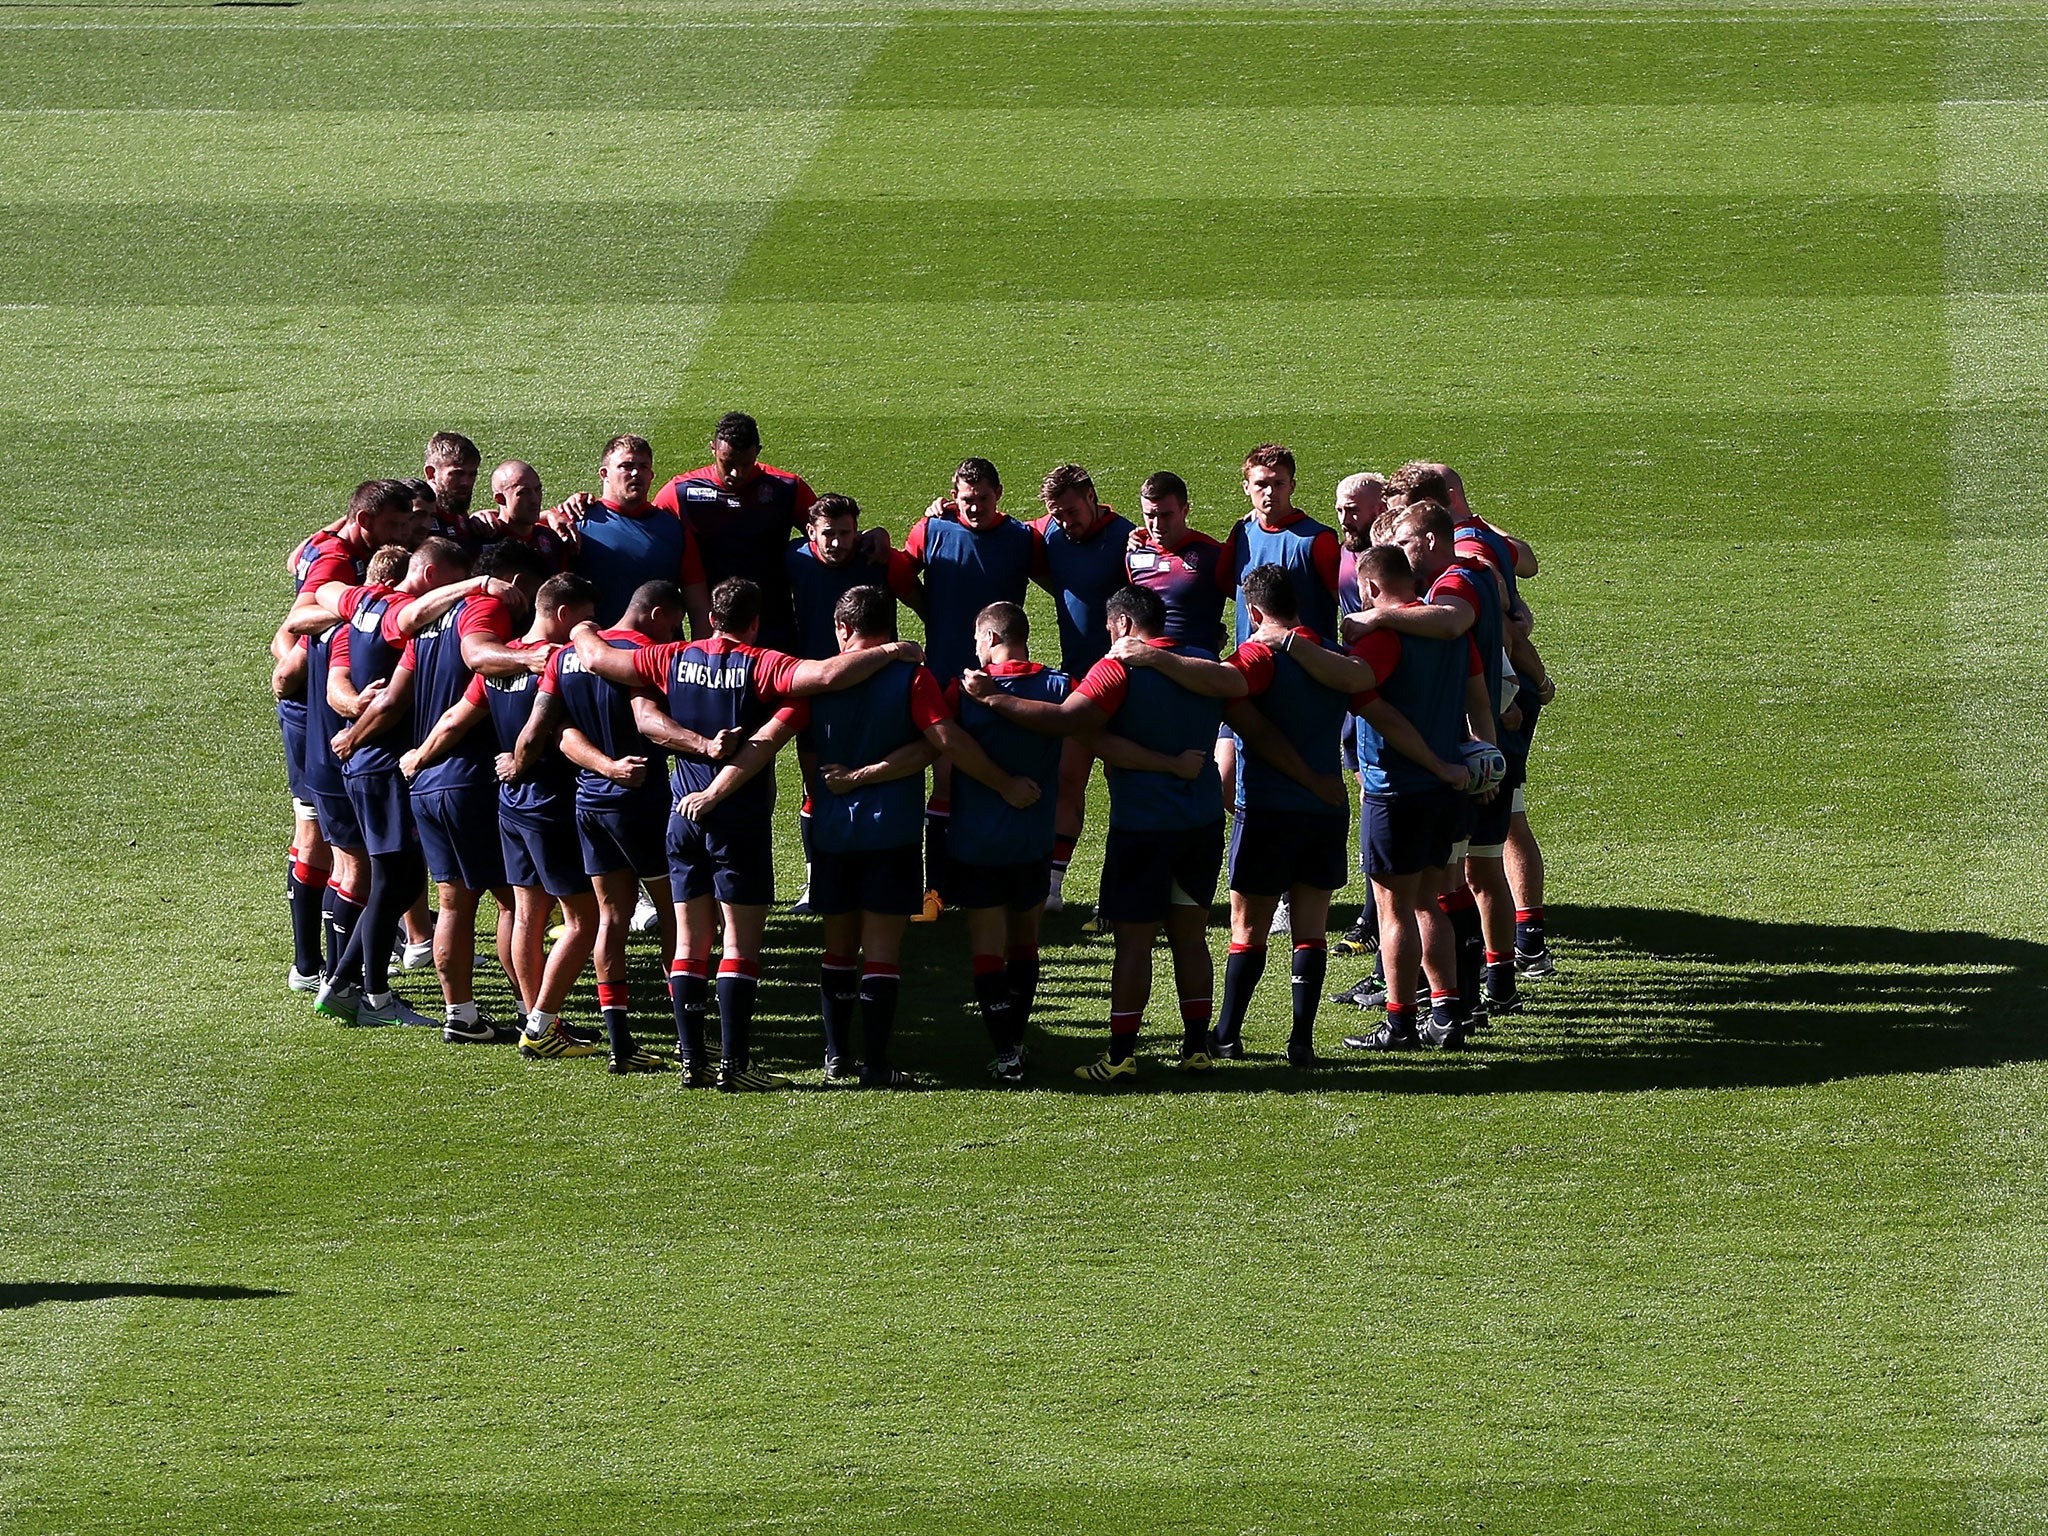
(1484, 765)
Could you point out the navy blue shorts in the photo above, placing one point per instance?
(1146, 873)
(736, 864)
(1347, 743)
(1271, 852)
(1017, 887)
(338, 823)
(541, 852)
(632, 836)
(1403, 834)
(459, 831)
(291, 724)
(885, 880)
(383, 807)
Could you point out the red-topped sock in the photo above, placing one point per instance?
(1123, 1035)
(611, 1004)
(1020, 970)
(1242, 969)
(1195, 1014)
(1500, 976)
(992, 996)
(1529, 930)
(838, 997)
(739, 982)
(689, 983)
(1311, 964)
(307, 888)
(880, 984)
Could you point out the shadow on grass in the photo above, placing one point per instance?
(1645, 999)
(15, 1296)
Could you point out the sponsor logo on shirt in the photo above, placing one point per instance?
(701, 493)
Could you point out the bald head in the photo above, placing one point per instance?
(1360, 499)
(515, 488)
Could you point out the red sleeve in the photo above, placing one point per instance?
(351, 600)
(337, 650)
(392, 614)
(474, 693)
(1457, 584)
(1041, 565)
(804, 500)
(1326, 554)
(1226, 568)
(486, 616)
(410, 659)
(551, 679)
(331, 566)
(774, 673)
(670, 499)
(913, 544)
(1106, 685)
(692, 572)
(927, 704)
(902, 575)
(651, 664)
(1477, 663)
(1379, 649)
(1255, 660)
(1360, 700)
(796, 713)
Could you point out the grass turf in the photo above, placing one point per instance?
(1735, 315)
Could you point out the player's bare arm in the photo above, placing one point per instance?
(1479, 710)
(1399, 732)
(1211, 679)
(628, 772)
(910, 758)
(455, 723)
(430, 606)
(1122, 752)
(1333, 669)
(849, 667)
(1075, 715)
(378, 707)
(1439, 619)
(660, 727)
(1264, 739)
(542, 729)
(758, 753)
(972, 759)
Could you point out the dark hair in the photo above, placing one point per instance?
(1426, 516)
(387, 565)
(1065, 478)
(1009, 621)
(650, 595)
(832, 504)
(867, 611)
(978, 472)
(375, 496)
(1270, 589)
(1271, 456)
(735, 605)
(452, 448)
(567, 590)
(1386, 565)
(632, 442)
(1141, 605)
(416, 488)
(1420, 481)
(738, 431)
(443, 552)
(508, 560)
(1164, 484)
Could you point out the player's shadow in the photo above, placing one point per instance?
(19, 1294)
(1645, 999)
(1650, 999)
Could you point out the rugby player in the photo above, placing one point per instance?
(969, 553)
(1413, 817)
(623, 540)
(1082, 546)
(866, 882)
(621, 801)
(741, 513)
(724, 706)
(362, 659)
(454, 782)
(828, 562)
(1186, 569)
(1165, 844)
(515, 514)
(450, 471)
(1361, 498)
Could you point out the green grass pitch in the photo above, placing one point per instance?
(1736, 310)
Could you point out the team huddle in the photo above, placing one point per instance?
(577, 709)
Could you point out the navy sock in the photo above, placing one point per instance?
(1241, 973)
(739, 981)
(1500, 977)
(1529, 930)
(992, 996)
(307, 887)
(879, 985)
(611, 1005)
(1311, 961)
(838, 996)
(688, 995)
(1020, 970)
(342, 912)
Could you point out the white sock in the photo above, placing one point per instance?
(539, 1022)
(376, 1000)
(462, 1013)
(1059, 878)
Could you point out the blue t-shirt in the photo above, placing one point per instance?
(965, 571)
(1301, 709)
(862, 725)
(618, 552)
(1081, 574)
(984, 827)
(1152, 710)
(440, 680)
(603, 711)
(714, 685)
(1424, 680)
(1307, 550)
(374, 648)
(548, 788)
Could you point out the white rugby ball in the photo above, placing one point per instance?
(1485, 766)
